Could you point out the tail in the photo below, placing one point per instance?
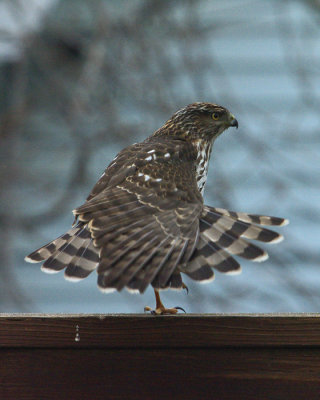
(223, 235)
(74, 251)
(135, 254)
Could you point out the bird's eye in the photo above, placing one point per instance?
(215, 116)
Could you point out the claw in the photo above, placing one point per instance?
(184, 286)
(180, 308)
(161, 309)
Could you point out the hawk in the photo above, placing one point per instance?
(145, 221)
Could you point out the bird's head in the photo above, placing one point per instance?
(200, 121)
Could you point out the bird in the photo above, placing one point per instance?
(145, 222)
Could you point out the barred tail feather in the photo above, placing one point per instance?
(198, 269)
(217, 257)
(231, 242)
(73, 250)
(84, 262)
(47, 250)
(249, 218)
(223, 235)
(134, 248)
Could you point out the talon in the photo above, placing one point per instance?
(150, 310)
(160, 308)
(180, 308)
(184, 286)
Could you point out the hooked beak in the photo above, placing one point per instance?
(233, 121)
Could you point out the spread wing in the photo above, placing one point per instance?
(143, 216)
(144, 223)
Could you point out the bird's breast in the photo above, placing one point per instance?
(202, 163)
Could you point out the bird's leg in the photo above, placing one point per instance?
(160, 308)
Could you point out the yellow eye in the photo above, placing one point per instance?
(215, 116)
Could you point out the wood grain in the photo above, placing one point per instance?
(193, 331)
(160, 373)
(145, 357)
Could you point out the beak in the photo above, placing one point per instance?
(233, 121)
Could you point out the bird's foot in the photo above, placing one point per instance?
(160, 308)
(163, 310)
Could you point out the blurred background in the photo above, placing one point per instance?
(80, 80)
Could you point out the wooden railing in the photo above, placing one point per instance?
(167, 357)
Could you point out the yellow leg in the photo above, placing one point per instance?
(160, 308)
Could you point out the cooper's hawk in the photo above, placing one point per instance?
(145, 221)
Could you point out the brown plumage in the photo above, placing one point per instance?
(145, 222)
